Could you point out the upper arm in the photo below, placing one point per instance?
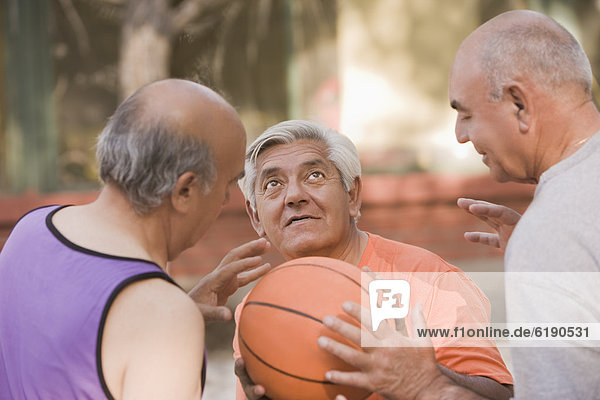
(153, 343)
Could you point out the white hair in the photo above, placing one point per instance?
(340, 151)
(543, 50)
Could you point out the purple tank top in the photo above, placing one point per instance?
(54, 299)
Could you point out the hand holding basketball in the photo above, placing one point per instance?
(252, 391)
(401, 369)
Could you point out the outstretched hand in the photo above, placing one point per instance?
(238, 268)
(502, 219)
(399, 368)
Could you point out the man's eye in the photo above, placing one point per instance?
(271, 184)
(316, 174)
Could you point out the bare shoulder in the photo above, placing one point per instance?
(152, 329)
(153, 301)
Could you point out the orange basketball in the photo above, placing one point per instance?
(282, 320)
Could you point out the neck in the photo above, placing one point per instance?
(142, 236)
(355, 247)
(567, 134)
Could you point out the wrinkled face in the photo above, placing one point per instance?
(491, 127)
(301, 204)
(228, 154)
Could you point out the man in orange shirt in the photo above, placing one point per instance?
(303, 193)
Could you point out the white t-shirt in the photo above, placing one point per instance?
(559, 232)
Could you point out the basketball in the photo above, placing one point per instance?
(282, 320)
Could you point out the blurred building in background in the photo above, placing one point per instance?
(374, 69)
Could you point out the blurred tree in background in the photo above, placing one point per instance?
(68, 63)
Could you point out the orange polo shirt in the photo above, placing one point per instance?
(440, 310)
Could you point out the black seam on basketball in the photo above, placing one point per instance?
(260, 303)
(279, 268)
(280, 370)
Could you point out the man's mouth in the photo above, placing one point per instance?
(298, 219)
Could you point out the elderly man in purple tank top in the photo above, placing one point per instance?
(87, 310)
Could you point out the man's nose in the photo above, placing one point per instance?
(295, 193)
(461, 133)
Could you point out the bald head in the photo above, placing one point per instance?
(163, 130)
(526, 45)
(184, 107)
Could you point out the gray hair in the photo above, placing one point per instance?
(144, 156)
(544, 50)
(340, 151)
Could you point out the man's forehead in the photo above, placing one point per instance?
(465, 82)
(300, 153)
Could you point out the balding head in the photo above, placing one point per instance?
(526, 45)
(163, 130)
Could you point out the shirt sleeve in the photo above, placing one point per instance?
(456, 302)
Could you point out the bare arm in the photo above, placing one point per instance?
(153, 343)
(238, 268)
(500, 218)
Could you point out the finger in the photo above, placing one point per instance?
(482, 216)
(253, 248)
(352, 356)
(359, 313)
(478, 207)
(354, 310)
(464, 203)
(214, 314)
(490, 239)
(246, 277)
(239, 367)
(225, 272)
(353, 333)
(356, 379)
(251, 390)
(503, 214)
(349, 331)
(493, 222)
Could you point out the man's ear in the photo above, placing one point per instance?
(355, 195)
(182, 194)
(523, 108)
(256, 224)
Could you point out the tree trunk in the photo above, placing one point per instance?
(145, 45)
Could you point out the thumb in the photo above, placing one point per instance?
(215, 314)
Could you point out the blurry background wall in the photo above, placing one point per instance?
(376, 70)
